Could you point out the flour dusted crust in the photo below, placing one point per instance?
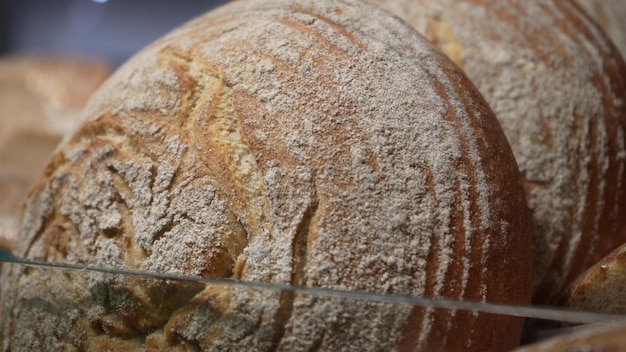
(317, 143)
(558, 88)
(609, 14)
(40, 100)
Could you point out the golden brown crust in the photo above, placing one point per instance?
(316, 143)
(556, 85)
(601, 288)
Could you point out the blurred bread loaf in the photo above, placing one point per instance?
(602, 287)
(608, 337)
(40, 100)
(558, 89)
(610, 15)
(316, 143)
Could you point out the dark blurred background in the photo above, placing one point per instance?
(108, 29)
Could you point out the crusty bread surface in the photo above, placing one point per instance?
(558, 88)
(316, 143)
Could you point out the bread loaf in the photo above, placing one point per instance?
(558, 89)
(609, 14)
(601, 288)
(40, 100)
(315, 143)
(600, 338)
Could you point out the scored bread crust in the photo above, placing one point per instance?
(558, 87)
(320, 144)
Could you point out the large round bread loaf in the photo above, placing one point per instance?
(41, 97)
(558, 88)
(317, 143)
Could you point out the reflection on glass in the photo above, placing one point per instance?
(95, 308)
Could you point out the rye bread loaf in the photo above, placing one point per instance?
(610, 15)
(41, 97)
(316, 143)
(558, 88)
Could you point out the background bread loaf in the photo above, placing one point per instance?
(40, 100)
(610, 16)
(601, 288)
(601, 338)
(317, 143)
(557, 87)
